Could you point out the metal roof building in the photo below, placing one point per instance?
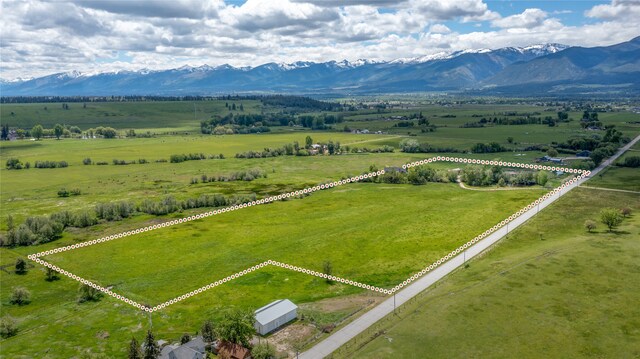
(274, 315)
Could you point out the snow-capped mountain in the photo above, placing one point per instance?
(444, 71)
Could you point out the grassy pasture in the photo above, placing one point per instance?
(375, 233)
(415, 219)
(570, 295)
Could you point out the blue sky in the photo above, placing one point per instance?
(91, 36)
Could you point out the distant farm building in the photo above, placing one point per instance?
(551, 159)
(274, 315)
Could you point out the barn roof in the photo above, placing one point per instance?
(274, 310)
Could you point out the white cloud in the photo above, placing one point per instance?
(528, 19)
(42, 37)
(194, 9)
(617, 10)
(439, 29)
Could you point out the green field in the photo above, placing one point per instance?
(160, 116)
(568, 295)
(375, 233)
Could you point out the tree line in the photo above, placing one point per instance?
(43, 229)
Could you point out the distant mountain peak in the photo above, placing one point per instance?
(440, 71)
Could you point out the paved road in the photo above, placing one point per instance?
(342, 336)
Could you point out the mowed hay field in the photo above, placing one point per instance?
(378, 234)
(550, 290)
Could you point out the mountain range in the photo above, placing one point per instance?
(532, 70)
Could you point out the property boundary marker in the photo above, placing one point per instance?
(36, 256)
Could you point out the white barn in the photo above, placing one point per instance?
(274, 315)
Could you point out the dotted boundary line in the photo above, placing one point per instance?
(580, 175)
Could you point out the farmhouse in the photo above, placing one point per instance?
(273, 315)
(194, 349)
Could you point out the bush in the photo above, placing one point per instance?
(87, 161)
(631, 161)
(51, 275)
(626, 211)
(84, 219)
(114, 211)
(20, 296)
(14, 164)
(87, 293)
(63, 193)
(21, 266)
(102, 163)
(185, 338)
(589, 225)
(51, 164)
(186, 157)
(263, 351)
(63, 217)
(8, 327)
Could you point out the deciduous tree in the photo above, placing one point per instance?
(58, 130)
(37, 132)
(611, 217)
(236, 327)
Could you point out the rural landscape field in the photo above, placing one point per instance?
(464, 184)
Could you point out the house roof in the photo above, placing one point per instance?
(196, 344)
(274, 310)
(183, 352)
(233, 350)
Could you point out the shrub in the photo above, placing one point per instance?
(186, 157)
(50, 275)
(63, 217)
(14, 164)
(8, 327)
(626, 211)
(84, 219)
(631, 161)
(20, 296)
(102, 163)
(185, 338)
(51, 164)
(263, 351)
(589, 225)
(114, 211)
(327, 268)
(88, 293)
(21, 266)
(87, 161)
(63, 193)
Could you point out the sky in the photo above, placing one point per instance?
(39, 38)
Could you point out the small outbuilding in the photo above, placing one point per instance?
(274, 315)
